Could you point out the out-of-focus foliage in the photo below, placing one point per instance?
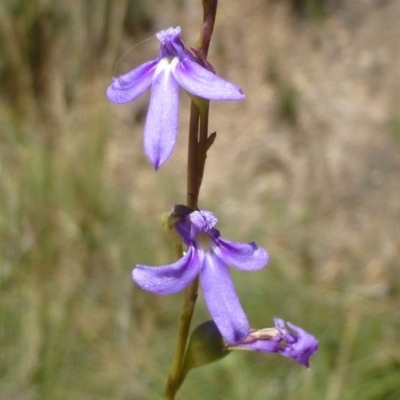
(315, 9)
(67, 239)
(48, 47)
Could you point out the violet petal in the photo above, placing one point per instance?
(201, 221)
(170, 278)
(203, 83)
(161, 125)
(244, 256)
(301, 347)
(130, 86)
(221, 299)
(171, 44)
(269, 346)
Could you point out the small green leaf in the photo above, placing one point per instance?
(206, 345)
(210, 140)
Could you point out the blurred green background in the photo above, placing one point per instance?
(308, 166)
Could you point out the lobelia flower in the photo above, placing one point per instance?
(299, 345)
(209, 255)
(175, 66)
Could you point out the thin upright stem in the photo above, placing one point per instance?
(185, 319)
(203, 142)
(209, 14)
(192, 170)
(190, 293)
(197, 149)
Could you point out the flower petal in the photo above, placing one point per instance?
(161, 125)
(301, 346)
(245, 256)
(203, 83)
(201, 221)
(170, 278)
(171, 44)
(222, 301)
(269, 346)
(130, 86)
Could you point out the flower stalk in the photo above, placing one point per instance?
(197, 150)
(192, 195)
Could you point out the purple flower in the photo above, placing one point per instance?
(299, 345)
(174, 66)
(208, 255)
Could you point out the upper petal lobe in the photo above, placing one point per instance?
(170, 278)
(245, 256)
(203, 83)
(130, 86)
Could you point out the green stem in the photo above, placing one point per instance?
(185, 319)
(190, 293)
(203, 141)
(192, 171)
(197, 150)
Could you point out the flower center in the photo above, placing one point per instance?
(204, 242)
